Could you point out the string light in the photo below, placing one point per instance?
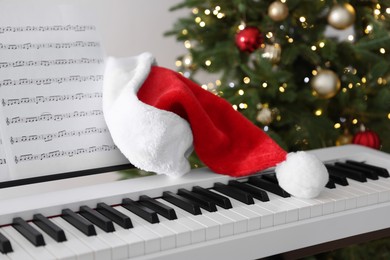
(314, 72)
(202, 24)
(184, 31)
(354, 121)
(351, 38)
(337, 125)
(364, 80)
(318, 112)
(195, 10)
(187, 44)
(198, 19)
(321, 44)
(368, 29)
(243, 106)
(240, 92)
(302, 19)
(246, 80)
(178, 63)
(207, 63)
(207, 12)
(282, 89)
(388, 115)
(235, 107)
(313, 48)
(382, 50)
(264, 85)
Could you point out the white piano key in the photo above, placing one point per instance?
(136, 245)
(100, 249)
(82, 251)
(183, 234)
(240, 222)
(39, 253)
(299, 210)
(211, 227)
(119, 248)
(315, 206)
(327, 203)
(226, 226)
(338, 198)
(253, 219)
(282, 211)
(383, 191)
(152, 240)
(167, 237)
(266, 216)
(59, 250)
(19, 252)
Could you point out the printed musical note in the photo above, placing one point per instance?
(67, 153)
(49, 45)
(44, 99)
(48, 81)
(29, 63)
(3, 161)
(76, 28)
(59, 134)
(53, 117)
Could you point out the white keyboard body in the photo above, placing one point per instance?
(287, 224)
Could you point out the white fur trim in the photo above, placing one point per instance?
(302, 175)
(152, 139)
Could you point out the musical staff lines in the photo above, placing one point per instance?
(48, 81)
(53, 117)
(52, 28)
(55, 98)
(66, 153)
(49, 45)
(22, 63)
(59, 134)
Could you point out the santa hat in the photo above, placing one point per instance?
(156, 117)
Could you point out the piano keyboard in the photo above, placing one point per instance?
(202, 215)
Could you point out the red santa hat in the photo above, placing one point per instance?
(157, 117)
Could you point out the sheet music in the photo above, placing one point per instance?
(51, 75)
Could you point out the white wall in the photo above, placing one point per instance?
(129, 27)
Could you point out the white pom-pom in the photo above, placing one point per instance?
(302, 175)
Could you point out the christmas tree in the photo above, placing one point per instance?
(280, 64)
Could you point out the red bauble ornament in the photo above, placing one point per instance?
(249, 39)
(367, 138)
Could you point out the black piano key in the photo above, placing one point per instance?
(182, 202)
(30, 233)
(5, 245)
(78, 222)
(203, 201)
(331, 184)
(270, 177)
(338, 178)
(97, 219)
(159, 207)
(370, 174)
(267, 185)
(116, 216)
(254, 191)
(379, 170)
(233, 192)
(49, 228)
(140, 210)
(220, 200)
(354, 175)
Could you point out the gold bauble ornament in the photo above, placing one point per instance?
(326, 83)
(278, 11)
(272, 52)
(345, 138)
(341, 16)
